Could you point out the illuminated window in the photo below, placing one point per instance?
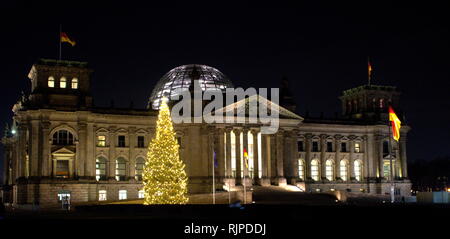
(102, 195)
(62, 137)
(141, 194)
(51, 81)
(63, 195)
(101, 141)
(120, 169)
(139, 168)
(329, 172)
(358, 170)
(62, 82)
(74, 83)
(315, 169)
(387, 169)
(357, 147)
(122, 194)
(343, 170)
(100, 169)
(301, 169)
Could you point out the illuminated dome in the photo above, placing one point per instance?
(181, 77)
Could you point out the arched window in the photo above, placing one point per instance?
(100, 168)
(301, 169)
(62, 137)
(315, 169)
(62, 82)
(120, 169)
(74, 83)
(139, 168)
(343, 170)
(358, 170)
(329, 172)
(51, 81)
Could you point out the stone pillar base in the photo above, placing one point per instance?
(229, 184)
(264, 182)
(280, 181)
(247, 182)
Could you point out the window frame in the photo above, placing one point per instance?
(63, 82)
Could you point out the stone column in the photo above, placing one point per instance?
(112, 154)
(82, 143)
(21, 145)
(280, 141)
(308, 138)
(45, 157)
(33, 146)
(379, 143)
(365, 175)
(323, 147)
(220, 153)
(371, 157)
(265, 160)
(337, 143)
(294, 155)
(351, 147)
(132, 139)
(228, 153)
(402, 148)
(255, 157)
(90, 152)
(237, 134)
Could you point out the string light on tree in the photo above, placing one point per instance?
(164, 178)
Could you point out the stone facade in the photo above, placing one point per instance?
(61, 144)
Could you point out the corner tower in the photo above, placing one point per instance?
(60, 84)
(369, 102)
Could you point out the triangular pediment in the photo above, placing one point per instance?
(63, 152)
(258, 101)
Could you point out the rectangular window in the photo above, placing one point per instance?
(344, 147)
(140, 142)
(51, 82)
(63, 195)
(62, 168)
(141, 194)
(101, 141)
(300, 146)
(74, 83)
(122, 194)
(357, 148)
(315, 146)
(329, 146)
(387, 169)
(102, 195)
(121, 142)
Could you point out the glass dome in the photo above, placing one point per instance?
(181, 77)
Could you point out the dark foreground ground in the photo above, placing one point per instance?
(293, 221)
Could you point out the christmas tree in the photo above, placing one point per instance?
(165, 181)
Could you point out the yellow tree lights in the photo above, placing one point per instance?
(165, 181)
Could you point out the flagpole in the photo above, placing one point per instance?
(60, 30)
(369, 69)
(392, 188)
(214, 179)
(245, 186)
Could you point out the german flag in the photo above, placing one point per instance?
(395, 124)
(245, 157)
(65, 38)
(369, 66)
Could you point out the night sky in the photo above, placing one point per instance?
(321, 48)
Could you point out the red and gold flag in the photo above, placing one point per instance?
(65, 38)
(245, 157)
(395, 124)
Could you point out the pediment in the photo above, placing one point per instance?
(63, 152)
